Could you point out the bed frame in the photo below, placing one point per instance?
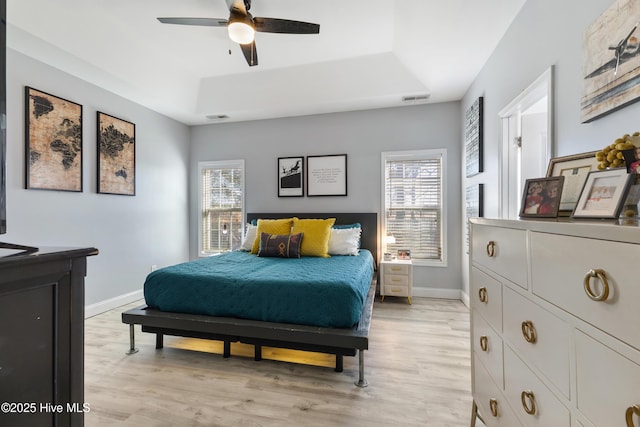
(338, 341)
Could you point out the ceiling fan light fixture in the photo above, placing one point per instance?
(241, 31)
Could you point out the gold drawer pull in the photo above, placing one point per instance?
(528, 402)
(491, 248)
(482, 294)
(635, 409)
(493, 405)
(396, 269)
(602, 275)
(484, 343)
(529, 331)
(396, 280)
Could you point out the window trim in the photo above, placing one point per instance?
(437, 153)
(217, 164)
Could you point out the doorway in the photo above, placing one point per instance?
(526, 144)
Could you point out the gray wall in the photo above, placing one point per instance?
(132, 233)
(545, 33)
(362, 135)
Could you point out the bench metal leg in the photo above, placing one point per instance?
(361, 381)
(132, 341)
(159, 340)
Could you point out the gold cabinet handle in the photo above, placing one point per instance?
(528, 402)
(529, 332)
(491, 249)
(484, 343)
(635, 409)
(602, 275)
(482, 294)
(493, 405)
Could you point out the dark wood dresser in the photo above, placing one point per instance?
(42, 337)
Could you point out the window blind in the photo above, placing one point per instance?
(413, 206)
(222, 201)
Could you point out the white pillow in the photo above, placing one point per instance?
(249, 237)
(344, 241)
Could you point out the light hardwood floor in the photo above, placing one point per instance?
(417, 367)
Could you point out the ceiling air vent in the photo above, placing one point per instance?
(414, 99)
(217, 117)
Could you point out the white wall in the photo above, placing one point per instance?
(545, 33)
(362, 135)
(131, 233)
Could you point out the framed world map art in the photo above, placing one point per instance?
(116, 155)
(53, 142)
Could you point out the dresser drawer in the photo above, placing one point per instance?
(487, 346)
(502, 250)
(559, 266)
(607, 383)
(485, 392)
(547, 409)
(392, 268)
(549, 336)
(486, 297)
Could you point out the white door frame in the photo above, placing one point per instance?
(509, 129)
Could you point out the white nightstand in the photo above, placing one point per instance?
(396, 279)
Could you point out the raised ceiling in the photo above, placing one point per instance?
(369, 53)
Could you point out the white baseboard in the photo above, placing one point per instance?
(465, 299)
(110, 304)
(437, 293)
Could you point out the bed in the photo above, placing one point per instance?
(167, 313)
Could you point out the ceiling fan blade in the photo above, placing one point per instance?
(275, 25)
(250, 53)
(203, 22)
(237, 6)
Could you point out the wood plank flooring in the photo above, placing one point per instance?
(417, 366)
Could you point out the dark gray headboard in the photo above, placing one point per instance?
(368, 221)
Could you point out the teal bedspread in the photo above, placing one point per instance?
(327, 292)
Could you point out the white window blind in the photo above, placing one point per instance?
(222, 206)
(413, 203)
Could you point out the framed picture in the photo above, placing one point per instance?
(574, 169)
(604, 194)
(53, 142)
(290, 176)
(404, 254)
(611, 65)
(473, 138)
(541, 197)
(474, 206)
(116, 156)
(327, 175)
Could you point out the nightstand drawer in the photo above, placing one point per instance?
(393, 290)
(397, 269)
(392, 279)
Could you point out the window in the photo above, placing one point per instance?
(413, 205)
(221, 206)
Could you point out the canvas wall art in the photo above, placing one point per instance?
(53, 142)
(611, 61)
(473, 138)
(116, 155)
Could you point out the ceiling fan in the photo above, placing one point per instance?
(242, 26)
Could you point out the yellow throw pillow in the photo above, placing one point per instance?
(271, 226)
(316, 235)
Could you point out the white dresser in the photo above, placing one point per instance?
(555, 323)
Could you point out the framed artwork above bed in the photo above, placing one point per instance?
(291, 176)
